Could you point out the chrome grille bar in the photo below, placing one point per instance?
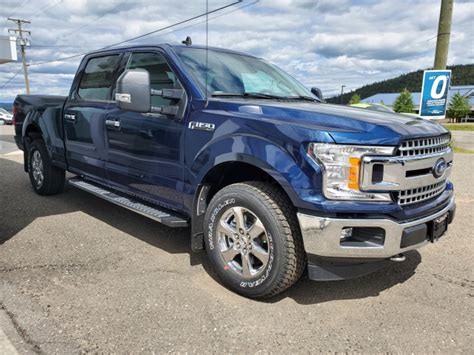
(420, 194)
(424, 146)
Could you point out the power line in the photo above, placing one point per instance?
(93, 21)
(175, 24)
(141, 36)
(163, 34)
(49, 6)
(18, 8)
(212, 18)
(11, 78)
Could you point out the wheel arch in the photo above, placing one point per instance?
(31, 131)
(45, 124)
(226, 172)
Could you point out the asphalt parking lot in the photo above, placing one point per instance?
(80, 274)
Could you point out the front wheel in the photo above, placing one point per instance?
(253, 239)
(45, 178)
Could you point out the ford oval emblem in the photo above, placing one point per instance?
(439, 168)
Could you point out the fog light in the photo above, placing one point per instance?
(362, 237)
(346, 233)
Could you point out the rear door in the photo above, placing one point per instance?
(84, 115)
(144, 149)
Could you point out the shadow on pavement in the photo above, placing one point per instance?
(311, 292)
(20, 206)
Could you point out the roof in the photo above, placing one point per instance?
(389, 98)
(174, 46)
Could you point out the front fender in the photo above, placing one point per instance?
(287, 165)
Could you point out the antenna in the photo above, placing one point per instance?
(207, 50)
(188, 41)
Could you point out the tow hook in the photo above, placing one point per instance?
(398, 258)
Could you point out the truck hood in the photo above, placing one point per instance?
(346, 125)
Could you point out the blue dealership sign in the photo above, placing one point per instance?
(434, 93)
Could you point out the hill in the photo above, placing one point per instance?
(6, 105)
(462, 74)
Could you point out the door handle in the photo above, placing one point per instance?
(70, 117)
(113, 124)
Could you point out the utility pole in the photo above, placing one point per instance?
(20, 32)
(444, 32)
(342, 92)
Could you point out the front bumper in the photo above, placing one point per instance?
(322, 236)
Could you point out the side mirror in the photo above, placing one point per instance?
(134, 93)
(318, 93)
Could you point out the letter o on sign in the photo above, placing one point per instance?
(435, 94)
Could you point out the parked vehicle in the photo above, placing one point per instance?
(5, 117)
(270, 180)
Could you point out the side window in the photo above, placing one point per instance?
(97, 78)
(161, 75)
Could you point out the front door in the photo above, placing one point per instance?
(84, 116)
(144, 150)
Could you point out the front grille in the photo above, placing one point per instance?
(424, 146)
(420, 194)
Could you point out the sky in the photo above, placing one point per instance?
(323, 43)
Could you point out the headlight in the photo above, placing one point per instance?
(341, 169)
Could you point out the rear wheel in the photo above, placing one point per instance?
(45, 178)
(253, 239)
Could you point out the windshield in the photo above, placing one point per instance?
(237, 74)
(2, 110)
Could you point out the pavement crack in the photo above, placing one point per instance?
(44, 266)
(466, 283)
(21, 331)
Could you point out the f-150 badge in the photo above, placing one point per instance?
(202, 126)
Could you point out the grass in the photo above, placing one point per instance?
(462, 150)
(459, 126)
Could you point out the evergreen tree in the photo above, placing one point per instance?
(355, 99)
(404, 102)
(458, 107)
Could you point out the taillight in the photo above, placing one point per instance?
(14, 110)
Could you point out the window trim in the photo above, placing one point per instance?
(159, 51)
(109, 99)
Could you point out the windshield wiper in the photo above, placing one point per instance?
(261, 95)
(301, 97)
(258, 95)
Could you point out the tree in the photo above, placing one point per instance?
(404, 102)
(458, 107)
(355, 99)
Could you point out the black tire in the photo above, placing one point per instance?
(286, 258)
(53, 177)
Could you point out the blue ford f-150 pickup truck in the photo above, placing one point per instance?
(271, 180)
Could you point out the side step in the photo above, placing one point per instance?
(166, 217)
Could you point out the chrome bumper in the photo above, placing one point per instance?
(322, 236)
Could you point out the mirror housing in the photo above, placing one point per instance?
(134, 91)
(318, 93)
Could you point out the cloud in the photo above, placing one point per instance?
(322, 43)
